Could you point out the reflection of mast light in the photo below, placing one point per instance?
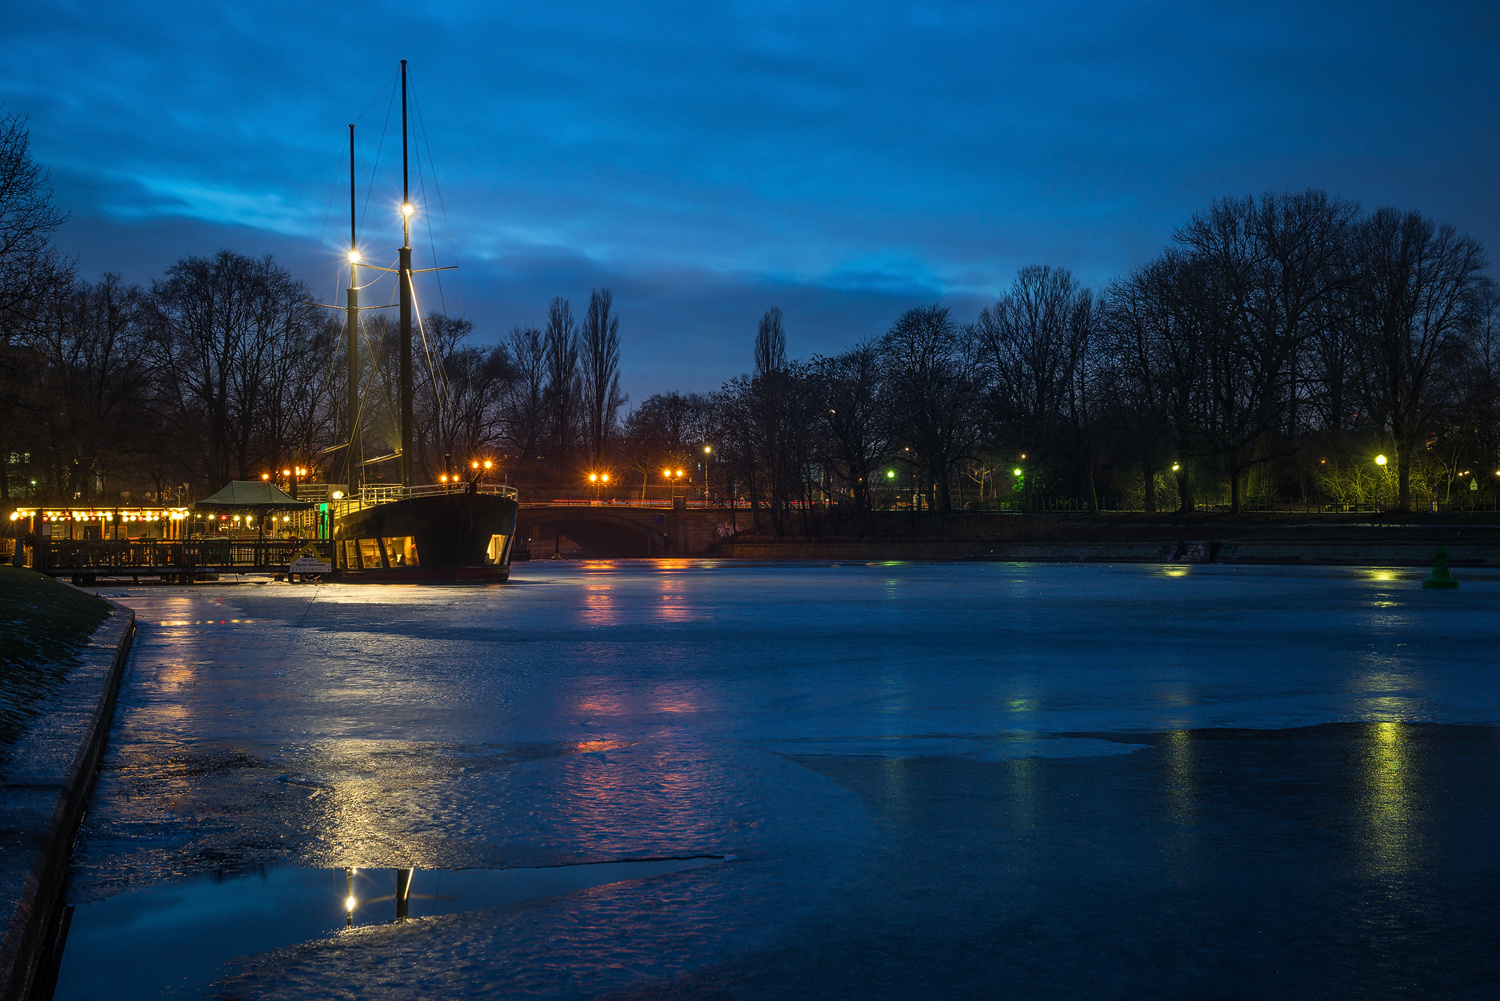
(349, 903)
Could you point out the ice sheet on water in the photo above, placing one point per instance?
(847, 730)
(996, 748)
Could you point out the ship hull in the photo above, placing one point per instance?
(458, 537)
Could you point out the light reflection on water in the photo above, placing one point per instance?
(1391, 771)
(177, 937)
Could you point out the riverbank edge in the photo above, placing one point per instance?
(47, 787)
(1206, 550)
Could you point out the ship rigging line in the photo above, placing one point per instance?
(385, 129)
(441, 390)
(424, 143)
(442, 385)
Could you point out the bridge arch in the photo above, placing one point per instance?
(603, 533)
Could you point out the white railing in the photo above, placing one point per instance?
(384, 493)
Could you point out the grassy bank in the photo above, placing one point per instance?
(43, 624)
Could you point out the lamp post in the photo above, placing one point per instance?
(708, 453)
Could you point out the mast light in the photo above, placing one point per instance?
(407, 208)
(353, 257)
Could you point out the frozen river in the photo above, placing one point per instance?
(845, 781)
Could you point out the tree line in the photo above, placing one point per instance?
(1267, 354)
(1275, 351)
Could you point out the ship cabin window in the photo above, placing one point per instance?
(498, 545)
(400, 551)
(377, 554)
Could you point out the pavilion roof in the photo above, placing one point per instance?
(256, 494)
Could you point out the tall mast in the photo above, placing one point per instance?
(404, 277)
(351, 336)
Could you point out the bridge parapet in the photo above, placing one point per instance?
(619, 530)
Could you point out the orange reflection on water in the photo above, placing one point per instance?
(599, 603)
(671, 601)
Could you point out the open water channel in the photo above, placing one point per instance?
(693, 780)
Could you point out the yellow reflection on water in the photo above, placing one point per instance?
(1393, 838)
(1174, 571)
(1025, 779)
(1181, 787)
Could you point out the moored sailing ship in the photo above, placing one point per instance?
(454, 531)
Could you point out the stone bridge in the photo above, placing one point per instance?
(617, 531)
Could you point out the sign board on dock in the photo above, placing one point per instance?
(310, 561)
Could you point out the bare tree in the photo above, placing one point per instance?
(526, 409)
(1158, 339)
(32, 274)
(225, 321)
(1035, 337)
(1418, 291)
(1267, 272)
(600, 370)
(665, 432)
(934, 377)
(856, 421)
(28, 261)
(770, 343)
(563, 384)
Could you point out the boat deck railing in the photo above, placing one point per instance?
(383, 493)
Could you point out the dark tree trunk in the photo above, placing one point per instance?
(1185, 503)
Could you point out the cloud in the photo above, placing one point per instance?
(707, 161)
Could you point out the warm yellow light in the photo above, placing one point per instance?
(1175, 467)
(605, 477)
(1379, 460)
(349, 903)
(667, 473)
(679, 472)
(338, 495)
(488, 464)
(443, 478)
(708, 449)
(407, 209)
(475, 464)
(353, 257)
(593, 477)
(265, 476)
(286, 472)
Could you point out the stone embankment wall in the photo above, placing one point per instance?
(1204, 551)
(46, 786)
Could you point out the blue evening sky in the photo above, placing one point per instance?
(707, 161)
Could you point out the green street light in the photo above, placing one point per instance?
(890, 474)
(1017, 470)
(1379, 460)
